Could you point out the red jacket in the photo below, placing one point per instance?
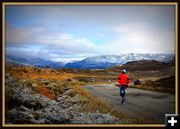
(123, 79)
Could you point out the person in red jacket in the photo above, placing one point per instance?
(123, 80)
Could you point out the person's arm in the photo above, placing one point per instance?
(128, 80)
(119, 79)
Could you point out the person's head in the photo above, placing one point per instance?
(124, 71)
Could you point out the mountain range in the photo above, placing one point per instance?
(36, 62)
(95, 62)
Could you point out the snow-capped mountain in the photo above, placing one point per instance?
(106, 61)
(96, 62)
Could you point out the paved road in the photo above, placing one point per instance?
(139, 103)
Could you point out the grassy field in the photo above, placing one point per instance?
(70, 79)
(162, 80)
(62, 79)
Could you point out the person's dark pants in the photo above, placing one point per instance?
(122, 90)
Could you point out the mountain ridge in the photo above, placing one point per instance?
(106, 61)
(94, 62)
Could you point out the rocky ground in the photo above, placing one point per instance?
(25, 106)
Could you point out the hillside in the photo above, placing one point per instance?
(163, 85)
(146, 65)
(146, 69)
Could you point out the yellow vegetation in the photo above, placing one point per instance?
(89, 103)
(28, 72)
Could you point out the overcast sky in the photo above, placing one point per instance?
(69, 32)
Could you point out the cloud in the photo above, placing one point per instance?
(130, 37)
(141, 38)
(48, 42)
(57, 32)
(16, 35)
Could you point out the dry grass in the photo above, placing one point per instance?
(29, 72)
(40, 88)
(89, 103)
(46, 92)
